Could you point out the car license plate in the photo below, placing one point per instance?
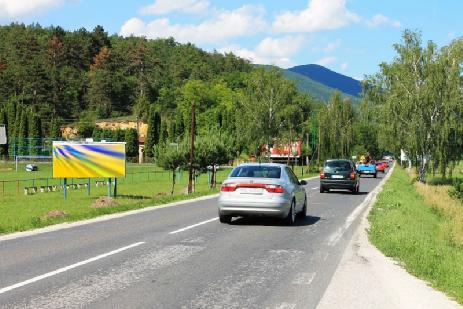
(337, 176)
(252, 190)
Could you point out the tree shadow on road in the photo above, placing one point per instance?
(256, 221)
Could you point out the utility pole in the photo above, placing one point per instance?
(319, 142)
(192, 148)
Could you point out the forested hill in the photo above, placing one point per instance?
(329, 78)
(55, 77)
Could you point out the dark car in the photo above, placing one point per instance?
(339, 174)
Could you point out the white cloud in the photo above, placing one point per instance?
(326, 61)
(332, 46)
(269, 51)
(162, 7)
(319, 15)
(281, 47)
(244, 21)
(344, 66)
(17, 8)
(381, 20)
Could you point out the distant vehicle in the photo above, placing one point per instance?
(339, 174)
(381, 166)
(266, 189)
(367, 169)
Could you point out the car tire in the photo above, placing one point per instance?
(303, 212)
(225, 219)
(375, 175)
(322, 190)
(291, 217)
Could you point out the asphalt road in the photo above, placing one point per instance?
(163, 259)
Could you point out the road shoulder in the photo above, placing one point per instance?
(365, 278)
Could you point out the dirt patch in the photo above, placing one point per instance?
(6, 169)
(105, 201)
(54, 214)
(161, 194)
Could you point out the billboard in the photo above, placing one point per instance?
(292, 150)
(88, 160)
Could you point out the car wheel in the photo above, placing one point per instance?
(291, 218)
(375, 175)
(322, 190)
(225, 219)
(303, 212)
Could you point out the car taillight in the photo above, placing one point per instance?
(353, 175)
(228, 187)
(274, 189)
(322, 175)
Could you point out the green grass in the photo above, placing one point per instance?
(21, 212)
(406, 228)
(145, 185)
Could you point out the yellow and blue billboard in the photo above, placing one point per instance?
(88, 160)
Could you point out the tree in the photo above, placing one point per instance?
(261, 106)
(421, 90)
(210, 151)
(55, 127)
(22, 134)
(153, 134)
(131, 140)
(99, 92)
(336, 121)
(35, 134)
(172, 157)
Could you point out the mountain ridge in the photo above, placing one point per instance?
(329, 78)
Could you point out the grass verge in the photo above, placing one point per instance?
(407, 225)
(19, 212)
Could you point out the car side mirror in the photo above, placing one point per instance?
(303, 183)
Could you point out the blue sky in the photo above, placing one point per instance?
(347, 36)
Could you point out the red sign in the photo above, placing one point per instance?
(292, 150)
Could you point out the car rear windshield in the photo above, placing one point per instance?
(257, 171)
(337, 166)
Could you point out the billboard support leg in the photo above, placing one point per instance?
(88, 187)
(65, 187)
(115, 187)
(109, 187)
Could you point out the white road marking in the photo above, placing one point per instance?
(193, 226)
(94, 287)
(64, 269)
(371, 197)
(315, 188)
(66, 225)
(334, 238)
(304, 278)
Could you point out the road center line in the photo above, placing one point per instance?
(64, 269)
(193, 226)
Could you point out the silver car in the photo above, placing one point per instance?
(265, 189)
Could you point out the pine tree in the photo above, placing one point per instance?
(35, 134)
(152, 136)
(131, 140)
(11, 125)
(22, 134)
(55, 128)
